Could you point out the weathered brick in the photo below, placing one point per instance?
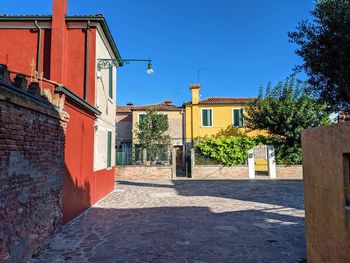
(30, 210)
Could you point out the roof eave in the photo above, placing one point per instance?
(105, 29)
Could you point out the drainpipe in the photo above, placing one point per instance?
(38, 47)
(86, 66)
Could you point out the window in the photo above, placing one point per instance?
(109, 149)
(110, 83)
(237, 118)
(207, 117)
(141, 116)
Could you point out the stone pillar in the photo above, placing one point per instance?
(144, 156)
(192, 163)
(271, 162)
(251, 165)
(173, 163)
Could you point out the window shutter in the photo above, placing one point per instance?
(210, 122)
(235, 118)
(109, 149)
(204, 118)
(241, 118)
(110, 83)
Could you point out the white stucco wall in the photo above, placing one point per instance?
(107, 106)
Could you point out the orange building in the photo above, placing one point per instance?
(65, 49)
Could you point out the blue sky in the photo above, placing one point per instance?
(242, 43)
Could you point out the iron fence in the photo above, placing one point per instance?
(141, 156)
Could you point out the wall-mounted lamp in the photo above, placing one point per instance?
(109, 63)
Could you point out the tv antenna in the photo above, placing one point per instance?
(198, 72)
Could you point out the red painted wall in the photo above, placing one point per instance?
(19, 47)
(104, 181)
(82, 187)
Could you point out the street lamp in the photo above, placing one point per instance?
(110, 63)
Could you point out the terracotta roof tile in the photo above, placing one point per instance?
(158, 107)
(123, 109)
(219, 100)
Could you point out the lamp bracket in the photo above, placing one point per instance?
(105, 63)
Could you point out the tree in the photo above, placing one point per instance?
(152, 134)
(284, 111)
(324, 45)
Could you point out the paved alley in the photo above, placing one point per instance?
(188, 221)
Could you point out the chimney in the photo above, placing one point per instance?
(168, 102)
(130, 103)
(195, 93)
(58, 40)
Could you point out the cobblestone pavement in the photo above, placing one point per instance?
(188, 221)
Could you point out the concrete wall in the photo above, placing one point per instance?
(106, 104)
(143, 172)
(326, 185)
(32, 137)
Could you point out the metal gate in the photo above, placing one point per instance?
(261, 159)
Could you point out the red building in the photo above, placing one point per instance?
(66, 50)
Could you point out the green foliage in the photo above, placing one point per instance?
(152, 135)
(324, 44)
(284, 111)
(226, 150)
(233, 150)
(285, 154)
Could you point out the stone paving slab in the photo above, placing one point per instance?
(188, 221)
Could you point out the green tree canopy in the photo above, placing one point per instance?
(324, 44)
(152, 134)
(284, 111)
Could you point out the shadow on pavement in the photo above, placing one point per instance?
(288, 193)
(179, 234)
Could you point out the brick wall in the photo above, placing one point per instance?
(220, 172)
(242, 171)
(32, 135)
(289, 171)
(143, 172)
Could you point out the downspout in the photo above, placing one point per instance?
(38, 56)
(86, 65)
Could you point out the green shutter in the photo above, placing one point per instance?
(210, 122)
(110, 83)
(109, 149)
(241, 118)
(237, 118)
(204, 118)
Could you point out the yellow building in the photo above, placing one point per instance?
(214, 115)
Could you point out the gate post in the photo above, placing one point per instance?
(271, 162)
(144, 156)
(251, 166)
(192, 163)
(173, 163)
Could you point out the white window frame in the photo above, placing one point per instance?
(212, 117)
(138, 116)
(233, 117)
